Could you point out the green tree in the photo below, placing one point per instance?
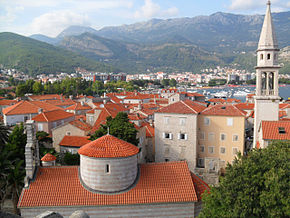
(98, 87)
(4, 134)
(119, 127)
(172, 83)
(21, 90)
(37, 88)
(256, 185)
(165, 82)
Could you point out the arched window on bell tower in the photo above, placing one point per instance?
(271, 83)
(264, 85)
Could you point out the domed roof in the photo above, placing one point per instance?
(108, 146)
(48, 157)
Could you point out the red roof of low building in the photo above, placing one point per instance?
(7, 102)
(74, 141)
(63, 102)
(272, 130)
(108, 146)
(169, 182)
(182, 107)
(150, 132)
(78, 106)
(200, 186)
(223, 110)
(284, 106)
(81, 125)
(245, 106)
(52, 116)
(29, 107)
(45, 97)
(217, 100)
(233, 100)
(48, 157)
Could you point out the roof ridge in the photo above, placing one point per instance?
(238, 110)
(189, 107)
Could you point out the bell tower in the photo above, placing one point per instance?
(267, 71)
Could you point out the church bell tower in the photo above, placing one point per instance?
(267, 71)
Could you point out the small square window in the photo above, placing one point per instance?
(206, 121)
(230, 121)
(211, 136)
(107, 170)
(211, 149)
(201, 148)
(281, 130)
(235, 151)
(182, 121)
(235, 138)
(223, 150)
(200, 162)
(223, 137)
(67, 133)
(182, 136)
(202, 135)
(166, 120)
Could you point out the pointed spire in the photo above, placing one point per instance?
(268, 38)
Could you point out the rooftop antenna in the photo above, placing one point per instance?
(108, 130)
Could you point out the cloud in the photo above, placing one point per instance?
(242, 5)
(10, 14)
(53, 23)
(151, 9)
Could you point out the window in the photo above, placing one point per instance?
(202, 135)
(235, 151)
(40, 127)
(206, 121)
(235, 138)
(62, 122)
(91, 119)
(167, 135)
(211, 136)
(223, 150)
(268, 56)
(182, 121)
(54, 124)
(182, 136)
(107, 170)
(230, 121)
(166, 120)
(166, 159)
(261, 56)
(67, 133)
(281, 130)
(200, 162)
(211, 149)
(166, 150)
(201, 148)
(223, 137)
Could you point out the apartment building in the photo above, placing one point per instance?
(221, 130)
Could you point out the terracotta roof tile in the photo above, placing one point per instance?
(7, 102)
(168, 182)
(74, 141)
(150, 131)
(63, 102)
(217, 100)
(52, 116)
(200, 185)
(29, 107)
(245, 106)
(233, 100)
(270, 130)
(182, 107)
(45, 97)
(223, 110)
(284, 106)
(78, 106)
(108, 146)
(81, 125)
(48, 157)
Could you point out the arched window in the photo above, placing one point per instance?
(264, 75)
(261, 56)
(268, 56)
(271, 81)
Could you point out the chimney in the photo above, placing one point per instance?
(31, 152)
(71, 97)
(40, 110)
(105, 101)
(82, 103)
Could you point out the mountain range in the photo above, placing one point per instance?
(181, 44)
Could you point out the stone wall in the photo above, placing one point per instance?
(147, 210)
(122, 173)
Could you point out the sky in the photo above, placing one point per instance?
(50, 17)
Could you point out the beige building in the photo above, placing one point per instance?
(221, 130)
(176, 132)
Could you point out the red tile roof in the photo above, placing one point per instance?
(168, 182)
(7, 102)
(233, 100)
(29, 107)
(217, 100)
(150, 133)
(194, 94)
(284, 106)
(52, 116)
(223, 110)
(81, 125)
(200, 186)
(78, 106)
(138, 96)
(64, 102)
(108, 146)
(45, 97)
(245, 106)
(182, 107)
(250, 95)
(48, 157)
(74, 141)
(270, 130)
